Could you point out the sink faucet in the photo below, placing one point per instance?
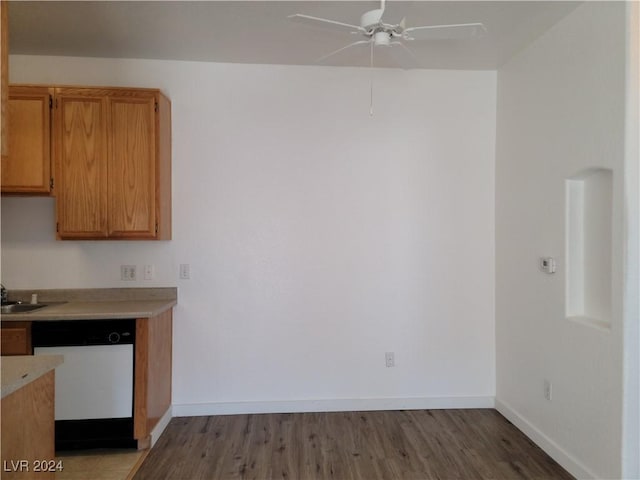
(3, 294)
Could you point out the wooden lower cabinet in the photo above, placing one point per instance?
(152, 383)
(16, 338)
(28, 431)
(152, 375)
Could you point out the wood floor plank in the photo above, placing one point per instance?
(386, 445)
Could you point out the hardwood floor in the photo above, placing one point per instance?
(419, 444)
(105, 464)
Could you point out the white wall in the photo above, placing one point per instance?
(319, 237)
(631, 409)
(560, 111)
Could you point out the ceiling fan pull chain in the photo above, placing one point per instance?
(371, 100)
(371, 83)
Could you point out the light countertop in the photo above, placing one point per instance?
(94, 304)
(21, 370)
(94, 310)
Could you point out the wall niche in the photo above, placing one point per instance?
(588, 223)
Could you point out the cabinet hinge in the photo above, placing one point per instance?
(156, 228)
(155, 106)
(51, 183)
(50, 102)
(57, 227)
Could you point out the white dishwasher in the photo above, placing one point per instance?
(94, 385)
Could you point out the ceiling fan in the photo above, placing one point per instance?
(376, 33)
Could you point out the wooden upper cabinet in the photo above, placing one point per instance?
(4, 78)
(27, 168)
(81, 164)
(113, 164)
(132, 167)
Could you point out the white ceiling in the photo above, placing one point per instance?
(259, 32)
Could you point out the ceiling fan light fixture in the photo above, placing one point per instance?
(382, 39)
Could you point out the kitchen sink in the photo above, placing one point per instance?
(20, 307)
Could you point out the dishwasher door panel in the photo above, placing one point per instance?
(93, 382)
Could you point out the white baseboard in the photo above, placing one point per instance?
(331, 405)
(161, 425)
(568, 462)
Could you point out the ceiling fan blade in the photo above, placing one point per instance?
(371, 18)
(403, 56)
(445, 32)
(325, 22)
(324, 57)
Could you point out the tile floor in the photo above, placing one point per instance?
(100, 464)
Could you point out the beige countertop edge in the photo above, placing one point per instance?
(95, 294)
(21, 370)
(94, 311)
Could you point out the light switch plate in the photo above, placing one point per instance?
(128, 273)
(185, 271)
(148, 272)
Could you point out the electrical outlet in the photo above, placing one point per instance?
(389, 359)
(128, 272)
(148, 272)
(185, 271)
(547, 390)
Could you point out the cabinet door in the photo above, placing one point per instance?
(15, 338)
(27, 168)
(4, 78)
(132, 166)
(152, 383)
(81, 163)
